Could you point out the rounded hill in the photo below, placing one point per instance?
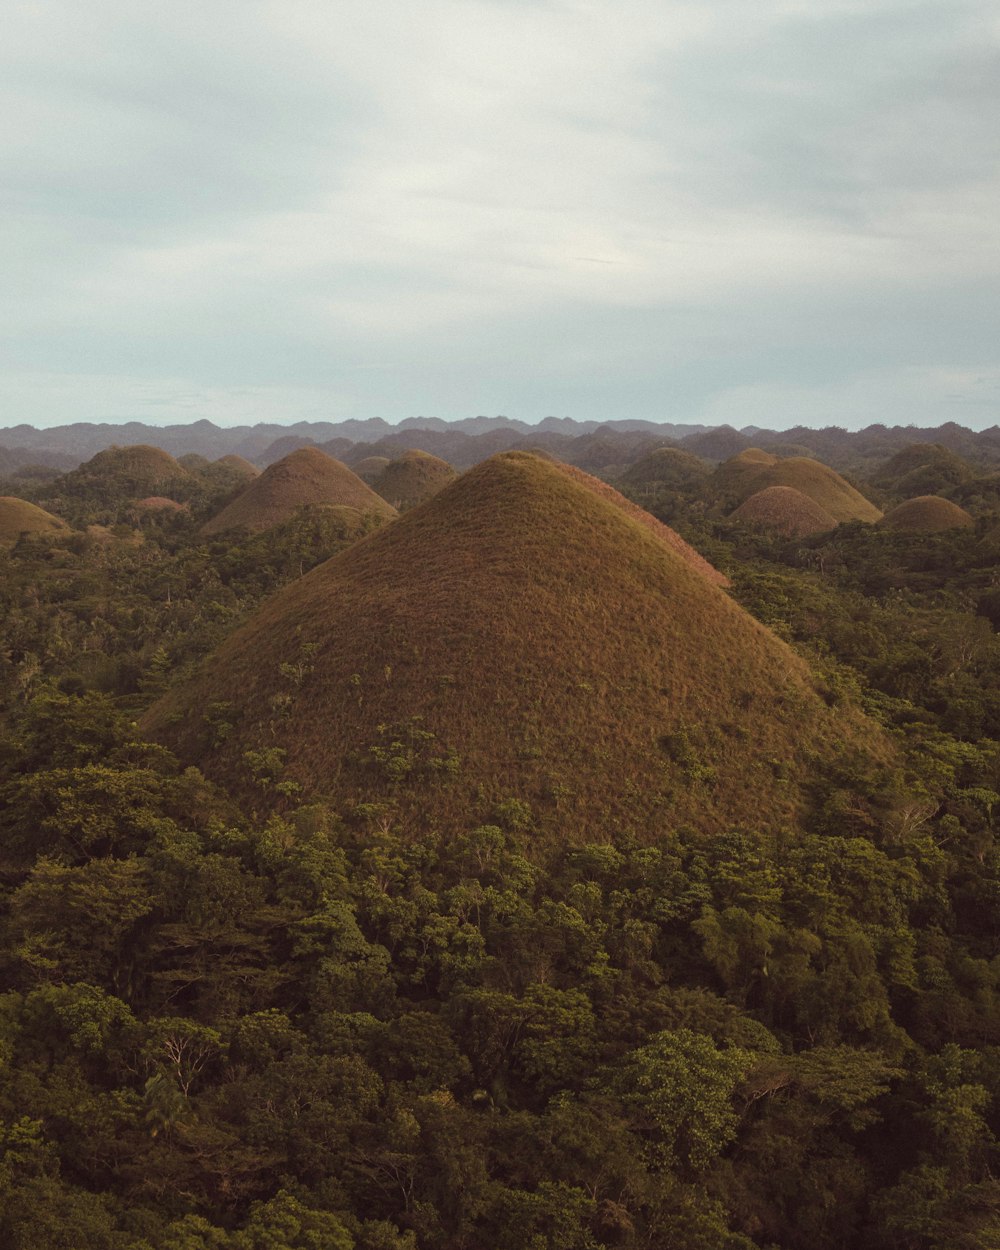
(786, 511)
(369, 467)
(518, 642)
(128, 472)
(922, 469)
(412, 478)
(304, 477)
(754, 470)
(670, 467)
(238, 466)
(927, 514)
(18, 516)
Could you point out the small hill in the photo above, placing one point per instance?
(18, 517)
(518, 643)
(414, 477)
(786, 511)
(719, 443)
(927, 514)
(668, 467)
(922, 469)
(238, 466)
(754, 470)
(306, 476)
(158, 503)
(128, 473)
(369, 467)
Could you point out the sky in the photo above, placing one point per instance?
(754, 212)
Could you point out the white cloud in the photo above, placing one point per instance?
(380, 204)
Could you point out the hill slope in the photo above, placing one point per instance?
(518, 636)
(18, 517)
(307, 476)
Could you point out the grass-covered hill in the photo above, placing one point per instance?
(412, 478)
(922, 469)
(128, 472)
(755, 470)
(669, 467)
(18, 516)
(927, 514)
(238, 465)
(785, 510)
(518, 639)
(304, 477)
(369, 467)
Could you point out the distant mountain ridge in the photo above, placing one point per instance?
(605, 447)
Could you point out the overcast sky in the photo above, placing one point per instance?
(748, 211)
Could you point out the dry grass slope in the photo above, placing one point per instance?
(784, 510)
(414, 477)
(304, 477)
(927, 514)
(18, 517)
(519, 636)
(670, 538)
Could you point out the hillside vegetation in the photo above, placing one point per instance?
(589, 914)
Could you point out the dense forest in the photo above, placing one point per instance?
(247, 1017)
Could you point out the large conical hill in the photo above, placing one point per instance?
(18, 516)
(517, 637)
(304, 477)
(412, 478)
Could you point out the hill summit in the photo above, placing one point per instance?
(306, 476)
(519, 642)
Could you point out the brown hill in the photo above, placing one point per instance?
(238, 466)
(369, 467)
(306, 476)
(128, 472)
(927, 514)
(785, 510)
(159, 503)
(666, 466)
(754, 470)
(18, 517)
(517, 637)
(414, 477)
